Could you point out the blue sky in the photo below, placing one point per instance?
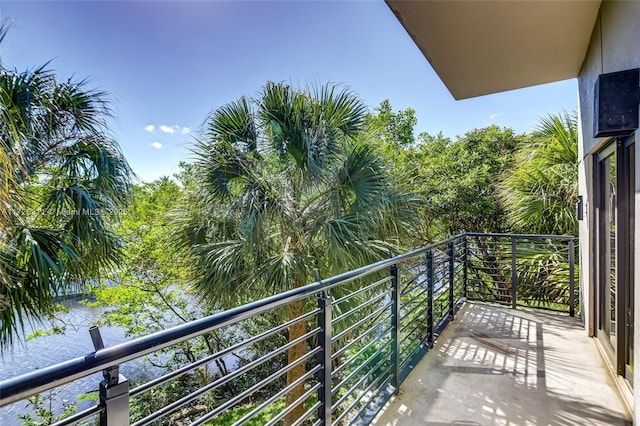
(168, 64)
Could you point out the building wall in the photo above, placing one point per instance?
(614, 46)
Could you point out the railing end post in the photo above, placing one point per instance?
(572, 283)
(324, 357)
(514, 274)
(430, 301)
(395, 327)
(452, 296)
(114, 400)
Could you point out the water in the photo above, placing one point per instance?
(43, 351)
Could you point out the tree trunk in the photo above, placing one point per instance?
(296, 330)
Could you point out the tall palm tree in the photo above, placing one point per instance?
(286, 184)
(62, 177)
(540, 191)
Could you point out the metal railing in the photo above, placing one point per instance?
(363, 332)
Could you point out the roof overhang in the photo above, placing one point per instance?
(482, 47)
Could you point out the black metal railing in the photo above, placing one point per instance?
(364, 331)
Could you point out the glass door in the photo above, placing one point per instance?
(614, 226)
(606, 248)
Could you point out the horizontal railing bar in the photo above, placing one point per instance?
(347, 362)
(222, 380)
(309, 412)
(364, 406)
(295, 403)
(418, 284)
(408, 268)
(361, 336)
(415, 299)
(360, 322)
(361, 290)
(417, 324)
(377, 380)
(413, 278)
(336, 371)
(211, 358)
(357, 384)
(360, 306)
(81, 415)
(356, 371)
(411, 337)
(407, 356)
(264, 382)
(278, 395)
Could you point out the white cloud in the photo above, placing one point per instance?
(156, 145)
(149, 128)
(185, 130)
(167, 129)
(495, 115)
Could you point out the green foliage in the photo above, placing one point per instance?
(462, 178)
(455, 181)
(541, 190)
(392, 130)
(62, 180)
(287, 183)
(43, 412)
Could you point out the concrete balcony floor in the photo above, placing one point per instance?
(498, 366)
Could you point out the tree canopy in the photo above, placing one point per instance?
(63, 178)
(287, 183)
(540, 191)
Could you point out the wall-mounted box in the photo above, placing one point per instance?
(616, 103)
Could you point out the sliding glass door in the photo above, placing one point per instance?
(614, 213)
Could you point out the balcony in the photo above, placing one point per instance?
(497, 366)
(459, 301)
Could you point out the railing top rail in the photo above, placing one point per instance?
(522, 236)
(20, 387)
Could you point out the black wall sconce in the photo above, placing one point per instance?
(580, 208)
(616, 100)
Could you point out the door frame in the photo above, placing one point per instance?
(618, 353)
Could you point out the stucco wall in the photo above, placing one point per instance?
(615, 46)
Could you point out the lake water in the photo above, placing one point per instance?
(43, 351)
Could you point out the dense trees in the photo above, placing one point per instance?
(287, 182)
(62, 179)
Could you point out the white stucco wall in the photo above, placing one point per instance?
(615, 46)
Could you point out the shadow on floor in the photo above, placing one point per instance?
(497, 366)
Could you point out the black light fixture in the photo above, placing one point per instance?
(616, 97)
(580, 208)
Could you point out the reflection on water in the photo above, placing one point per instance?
(43, 351)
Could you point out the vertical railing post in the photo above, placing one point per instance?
(452, 295)
(324, 358)
(572, 284)
(514, 274)
(465, 257)
(395, 327)
(114, 400)
(430, 302)
(113, 391)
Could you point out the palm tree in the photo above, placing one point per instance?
(61, 178)
(286, 184)
(539, 195)
(540, 191)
